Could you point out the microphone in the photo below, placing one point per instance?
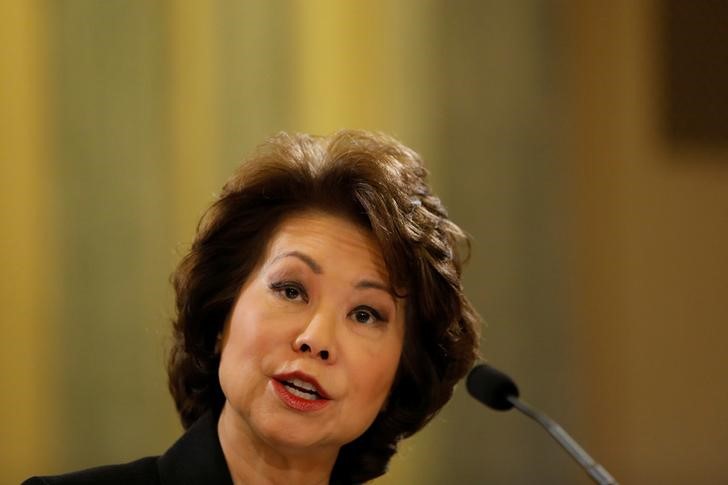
(498, 391)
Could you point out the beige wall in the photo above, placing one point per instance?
(27, 245)
(651, 279)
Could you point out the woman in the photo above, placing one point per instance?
(320, 319)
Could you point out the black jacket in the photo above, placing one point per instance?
(195, 459)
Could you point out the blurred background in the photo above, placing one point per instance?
(583, 145)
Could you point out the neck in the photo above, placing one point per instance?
(251, 460)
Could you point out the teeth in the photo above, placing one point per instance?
(301, 394)
(303, 385)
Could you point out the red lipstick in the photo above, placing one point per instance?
(300, 391)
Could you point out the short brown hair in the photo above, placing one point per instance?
(379, 183)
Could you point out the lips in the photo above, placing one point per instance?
(301, 388)
(300, 391)
(299, 382)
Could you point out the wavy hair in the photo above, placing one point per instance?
(378, 183)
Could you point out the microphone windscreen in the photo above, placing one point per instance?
(491, 387)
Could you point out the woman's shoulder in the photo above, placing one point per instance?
(140, 472)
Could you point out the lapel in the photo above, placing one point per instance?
(196, 458)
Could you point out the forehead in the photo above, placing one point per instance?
(325, 237)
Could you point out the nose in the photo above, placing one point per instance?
(318, 338)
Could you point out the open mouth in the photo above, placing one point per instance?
(302, 389)
(300, 395)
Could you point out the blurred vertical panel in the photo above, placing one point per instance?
(603, 126)
(193, 101)
(651, 272)
(367, 65)
(499, 129)
(364, 65)
(410, 76)
(27, 249)
(339, 59)
(257, 76)
(113, 199)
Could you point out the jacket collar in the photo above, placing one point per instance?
(196, 458)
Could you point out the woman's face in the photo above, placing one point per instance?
(314, 340)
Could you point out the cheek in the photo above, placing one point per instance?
(248, 344)
(374, 371)
(252, 332)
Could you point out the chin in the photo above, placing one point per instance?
(296, 437)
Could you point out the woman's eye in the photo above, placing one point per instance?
(367, 316)
(289, 291)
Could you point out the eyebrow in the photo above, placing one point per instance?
(365, 284)
(315, 267)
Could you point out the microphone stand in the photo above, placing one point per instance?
(594, 469)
